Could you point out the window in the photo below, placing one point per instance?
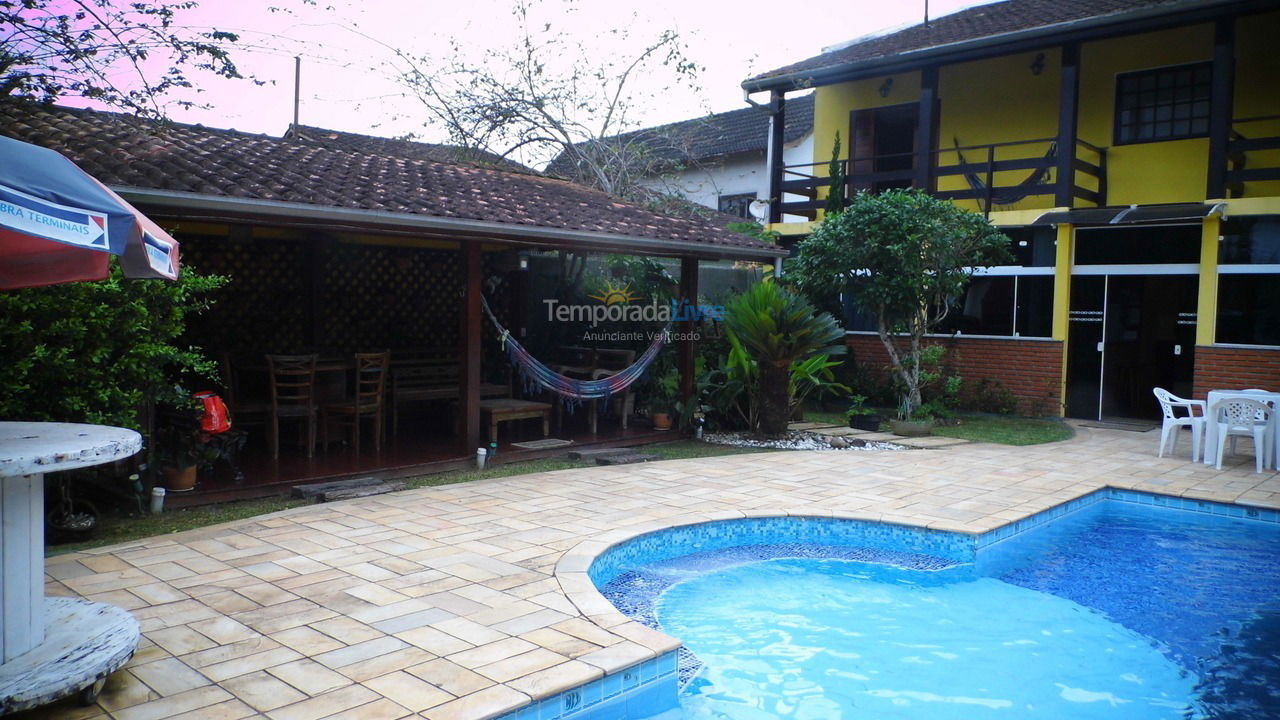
(1249, 309)
(1163, 104)
(1249, 281)
(1251, 241)
(739, 205)
(1007, 301)
(1136, 245)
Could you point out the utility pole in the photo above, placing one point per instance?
(297, 87)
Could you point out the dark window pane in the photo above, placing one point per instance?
(1138, 245)
(1251, 241)
(1249, 309)
(738, 205)
(1147, 102)
(985, 309)
(1035, 306)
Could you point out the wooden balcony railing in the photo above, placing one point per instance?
(1253, 152)
(992, 175)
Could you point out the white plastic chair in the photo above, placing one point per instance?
(1169, 428)
(1244, 417)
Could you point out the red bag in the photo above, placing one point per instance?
(216, 419)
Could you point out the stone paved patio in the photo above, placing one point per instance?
(442, 602)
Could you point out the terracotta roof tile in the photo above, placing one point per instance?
(971, 24)
(123, 151)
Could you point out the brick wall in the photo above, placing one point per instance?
(1219, 368)
(1030, 369)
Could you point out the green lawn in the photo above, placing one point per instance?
(114, 528)
(1007, 430)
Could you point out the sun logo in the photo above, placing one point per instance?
(615, 294)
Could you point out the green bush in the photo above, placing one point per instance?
(98, 352)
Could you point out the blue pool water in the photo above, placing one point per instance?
(1115, 611)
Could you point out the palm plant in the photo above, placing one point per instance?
(779, 329)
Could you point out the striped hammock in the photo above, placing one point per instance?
(538, 375)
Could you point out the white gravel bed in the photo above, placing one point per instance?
(798, 441)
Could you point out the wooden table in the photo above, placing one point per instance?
(51, 647)
(502, 409)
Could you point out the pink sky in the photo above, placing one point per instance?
(346, 87)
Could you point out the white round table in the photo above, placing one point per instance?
(51, 647)
(1210, 455)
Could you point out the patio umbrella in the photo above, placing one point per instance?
(58, 224)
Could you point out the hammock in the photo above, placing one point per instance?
(535, 374)
(1009, 196)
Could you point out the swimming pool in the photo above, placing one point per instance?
(1119, 604)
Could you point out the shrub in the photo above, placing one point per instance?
(98, 352)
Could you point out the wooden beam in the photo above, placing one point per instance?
(1220, 110)
(777, 126)
(688, 349)
(1068, 112)
(926, 128)
(469, 348)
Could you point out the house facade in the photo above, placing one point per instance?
(719, 161)
(1131, 151)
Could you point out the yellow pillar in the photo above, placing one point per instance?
(1062, 301)
(1207, 302)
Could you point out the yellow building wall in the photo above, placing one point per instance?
(1143, 173)
(992, 101)
(1000, 100)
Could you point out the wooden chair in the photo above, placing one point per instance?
(368, 403)
(245, 409)
(293, 395)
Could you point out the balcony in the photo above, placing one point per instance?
(991, 175)
(1253, 154)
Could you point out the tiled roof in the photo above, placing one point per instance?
(703, 138)
(122, 151)
(340, 140)
(971, 24)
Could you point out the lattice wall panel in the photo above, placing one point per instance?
(372, 297)
(264, 308)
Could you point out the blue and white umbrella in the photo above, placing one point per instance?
(59, 224)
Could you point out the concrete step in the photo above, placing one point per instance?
(318, 491)
(362, 491)
(593, 453)
(627, 459)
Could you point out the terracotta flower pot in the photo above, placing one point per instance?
(661, 421)
(180, 479)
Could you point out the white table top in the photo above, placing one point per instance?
(31, 448)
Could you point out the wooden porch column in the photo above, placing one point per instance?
(777, 125)
(688, 347)
(469, 348)
(926, 129)
(1220, 111)
(1068, 106)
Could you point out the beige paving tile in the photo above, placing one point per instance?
(180, 640)
(450, 677)
(309, 676)
(168, 707)
(322, 706)
(263, 691)
(169, 676)
(408, 690)
(486, 703)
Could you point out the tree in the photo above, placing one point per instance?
(905, 257)
(835, 172)
(126, 55)
(782, 333)
(550, 94)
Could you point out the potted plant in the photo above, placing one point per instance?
(180, 449)
(862, 417)
(662, 401)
